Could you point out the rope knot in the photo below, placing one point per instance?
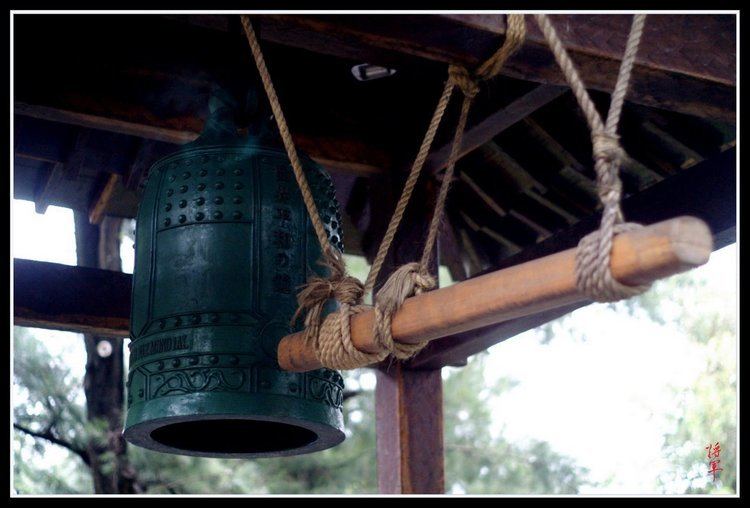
(349, 290)
(607, 148)
(405, 281)
(462, 78)
(593, 274)
(423, 281)
(338, 285)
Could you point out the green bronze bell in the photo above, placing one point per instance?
(223, 242)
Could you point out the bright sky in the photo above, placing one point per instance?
(601, 401)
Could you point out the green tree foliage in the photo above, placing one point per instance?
(705, 412)
(350, 468)
(48, 408)
(478, 462)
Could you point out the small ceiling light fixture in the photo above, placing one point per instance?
(367, 72)
(104, 348)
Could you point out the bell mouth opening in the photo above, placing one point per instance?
(233, 436)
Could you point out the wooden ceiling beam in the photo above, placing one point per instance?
(688, 157)
(486, 129)
(71, 298)
(344, 155)
(687, 63)
(47, 187)
(100, 204)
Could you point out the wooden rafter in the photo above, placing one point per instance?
(71, 298)
(494, 124)
(101, 203)
(50, 182)
(706, 190)
(347, 155)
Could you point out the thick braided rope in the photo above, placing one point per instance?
(458, 76)
(414, 278)
(334, 346)
(333, 343)
(593, 274)
(515, 35)
(318, 290)
(437, 215)
(411, 182)
(332, 339)
(286, 136)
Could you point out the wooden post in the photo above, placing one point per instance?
(409, 420)
(408, 403)
(103, 384)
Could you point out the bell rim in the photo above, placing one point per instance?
(140, 434)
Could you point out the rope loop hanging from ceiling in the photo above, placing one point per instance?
(593, 274)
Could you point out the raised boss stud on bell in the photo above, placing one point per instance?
(223, 242)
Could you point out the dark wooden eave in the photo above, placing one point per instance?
(686, 64)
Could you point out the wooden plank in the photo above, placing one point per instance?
(517, 179)
(100, 204)
(687, 155)
(408, 405)
(47, 187)
(707, 190)
(71, 298)
(479, 134)
(488, 200)
(105, 123)
(344, 155)
(576, 174)
(638, 257)
(475, 261)
(409, 429)
(450, 251)
(686, 63)
(701, 45)
(508, 245)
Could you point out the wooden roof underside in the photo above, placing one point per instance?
(99, 98)
(103, 97)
